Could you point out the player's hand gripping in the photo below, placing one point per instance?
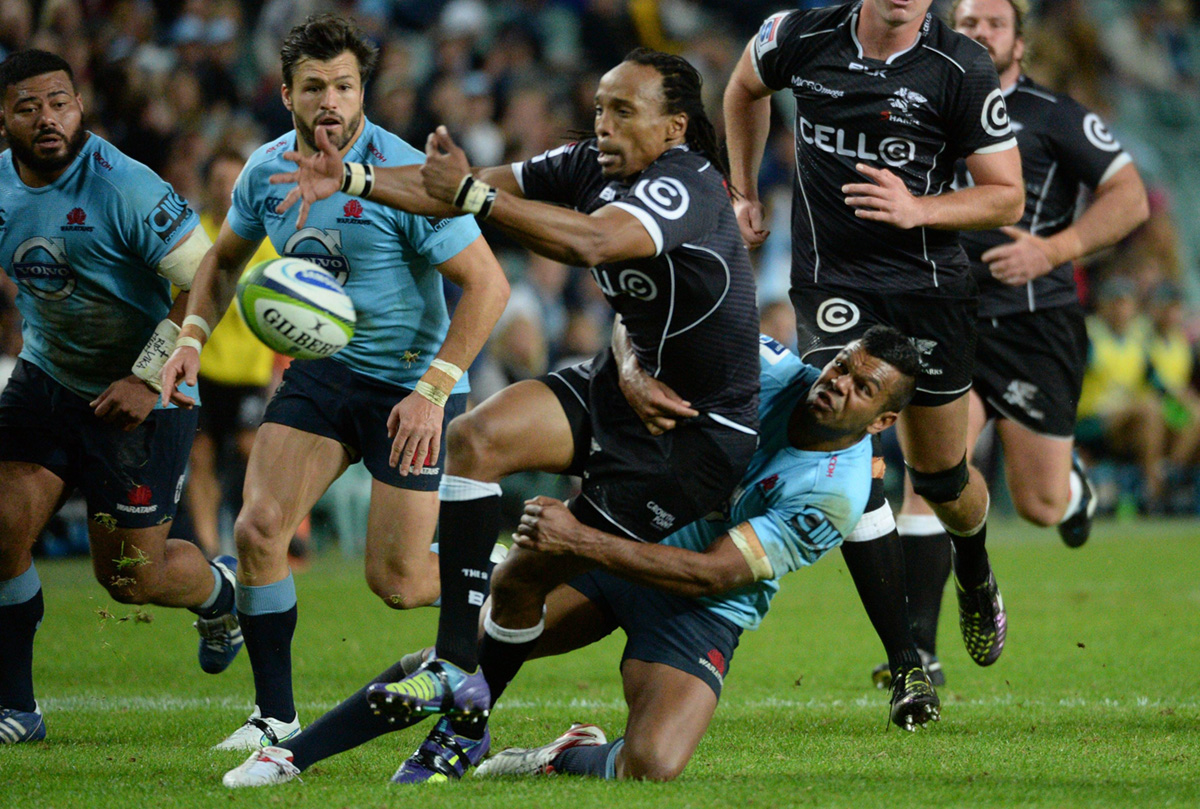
(549, 526)
(125, 403)
(656, 404)
(182, 366)
(1020, 261)
(317, 176)
(885, 199)
(415, 427)
(445, 166)
(750, 216)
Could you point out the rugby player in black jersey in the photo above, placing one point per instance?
(645, 205)
(887, 98)
(1032, 349)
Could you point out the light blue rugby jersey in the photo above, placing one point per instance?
(83, 251)
(800, 503)
(384, 258)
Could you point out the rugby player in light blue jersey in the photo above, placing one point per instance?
(684, 602)
(94, 241)
(384, 398)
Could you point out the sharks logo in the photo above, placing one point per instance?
(904, 99)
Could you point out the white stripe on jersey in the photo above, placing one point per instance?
(670, 314)
(741, 428)
(720, 300)
(647, 221)
(946, 57)
(928, 183)
(812, 223)
(1037, 93)
(518, 170)
(1003, 146)
(1119, 162)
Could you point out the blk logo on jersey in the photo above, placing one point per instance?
(904, 99)
(995, 115)
(924, 352)
(40, 266)
(1098, 135)
(101, 162)
(75, 219)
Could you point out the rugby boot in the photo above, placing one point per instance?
(537, 760)
(881, 675)
(220, 637)
(259, 731)
(443, 756)
(21, 726)
(1076, 529)
(270, 765)
(914, 702)
(436, 687)
(982, 619)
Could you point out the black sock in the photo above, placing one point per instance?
(500, 662)
(926, 567)
(269, 644)
(224, 602)
(18, 623)
(467, 532)
(347, 726)
(595, 760)
(877, 567)
(971, 559)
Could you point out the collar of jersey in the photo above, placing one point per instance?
(852, 26)
(63, 178)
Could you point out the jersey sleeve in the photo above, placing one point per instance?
(796, 538)
(437, 239)
(979, 123)
(556, 175)
(777, 48)
(242, 217)
(675, 203)
(156, 218)
(1084, 143)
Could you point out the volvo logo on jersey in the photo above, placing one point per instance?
(40, 266)
(321, 247)
(895, 152)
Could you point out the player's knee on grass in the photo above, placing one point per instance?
(652, 760)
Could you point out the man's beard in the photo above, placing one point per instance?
(1003, 61)
(309, 133)
(26, 156)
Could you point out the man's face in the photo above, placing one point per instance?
(327, 94)
(43, 121)
(852, 392)
(993, 24)
(632, 129)
(899, 12)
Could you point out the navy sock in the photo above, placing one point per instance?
(877, 567)
(345, 727)
(19, 622)
(268, 618)
(469, 521)
(927, 567)
(500, 661)
(224, 600)
(598, 760)
(971, 559)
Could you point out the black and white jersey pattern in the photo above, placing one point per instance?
(690, 309)
(1064, 147)
(914, 114)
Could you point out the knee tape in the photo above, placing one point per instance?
(941, 487)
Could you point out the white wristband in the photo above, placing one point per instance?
(189, 342)
(200, 323)
(448, 368)
(158, 349)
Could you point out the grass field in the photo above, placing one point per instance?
(1093, 703)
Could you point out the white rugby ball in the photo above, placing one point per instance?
(296, 308)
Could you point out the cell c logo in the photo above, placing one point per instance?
(837, 314)
(666, 196)
(897, 151)
(1097, 133)
(637, 284)
(995, 115)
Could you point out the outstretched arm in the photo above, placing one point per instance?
(548, 526)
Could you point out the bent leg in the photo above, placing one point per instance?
(1038, 470)
(400, 568)
(669, 712)
(143, 566)
(204, 493)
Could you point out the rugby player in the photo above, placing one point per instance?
(94, 241)
(645, 205)
(887, 98)
(683, 603)
(1032, 349)
(384, 398)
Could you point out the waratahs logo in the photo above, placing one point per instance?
(77, 216)
(353, 208)
(40, 266)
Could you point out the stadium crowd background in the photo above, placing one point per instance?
(171, 83)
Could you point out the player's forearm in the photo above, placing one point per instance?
(747, 126)
(401, 187)
(179, 308)
(484, 297)
(1120, 205)
(980, 207)
(663, 567)
(559, 233)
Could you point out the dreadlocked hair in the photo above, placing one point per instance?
(681, 88)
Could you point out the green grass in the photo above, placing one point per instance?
(1093, 703)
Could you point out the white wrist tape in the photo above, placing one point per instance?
(200, 323)
(448, 368)
(180, 265)
(753, 553)
(358, 179)
(189, 342)
(156, 353)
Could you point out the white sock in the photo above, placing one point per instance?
(1076, 496)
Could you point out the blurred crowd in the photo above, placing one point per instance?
(174, 83)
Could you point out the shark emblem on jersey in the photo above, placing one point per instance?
(1021, 394)
(925, 350)
(904, 99)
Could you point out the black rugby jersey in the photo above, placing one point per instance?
(914, 114)
(690, 309)
(1063, 146)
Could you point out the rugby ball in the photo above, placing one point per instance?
(296, 308)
